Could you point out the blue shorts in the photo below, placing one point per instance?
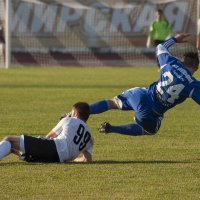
(137, 99)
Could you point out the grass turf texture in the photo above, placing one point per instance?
(164, 166)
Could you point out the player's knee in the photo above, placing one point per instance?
(6, 138)
(150, 127)
(113, 104)
(116, 103)
(10, 139)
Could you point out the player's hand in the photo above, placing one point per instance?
(180, 37)
(65, 115)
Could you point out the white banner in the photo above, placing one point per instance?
(95, 23)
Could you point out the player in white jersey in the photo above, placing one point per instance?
(69, 139)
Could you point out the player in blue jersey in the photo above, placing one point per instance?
(175, 84)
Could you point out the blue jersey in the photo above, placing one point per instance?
(175, 84)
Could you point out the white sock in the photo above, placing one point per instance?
(5, 148)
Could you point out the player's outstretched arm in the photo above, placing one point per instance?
(180, 37)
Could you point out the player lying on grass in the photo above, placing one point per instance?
(175, 84)
(68, 139)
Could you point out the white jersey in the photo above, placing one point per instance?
(73, 138)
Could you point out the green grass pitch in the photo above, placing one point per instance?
(163, 166)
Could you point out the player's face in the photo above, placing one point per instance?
(74, 113)
(158, 15)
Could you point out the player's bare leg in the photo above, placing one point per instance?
(9, 145)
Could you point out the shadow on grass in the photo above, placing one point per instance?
(145, 161)
(107, 162)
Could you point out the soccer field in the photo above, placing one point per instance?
(163, 166)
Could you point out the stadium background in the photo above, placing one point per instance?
(91, 33)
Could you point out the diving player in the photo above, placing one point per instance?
(176, 84)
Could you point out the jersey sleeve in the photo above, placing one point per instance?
(59, 127)
(162, 52)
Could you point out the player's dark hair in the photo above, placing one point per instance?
(83, 110)
(191, 59)
(159, 11)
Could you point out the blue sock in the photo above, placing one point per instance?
(128, 129)
(99, 107)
